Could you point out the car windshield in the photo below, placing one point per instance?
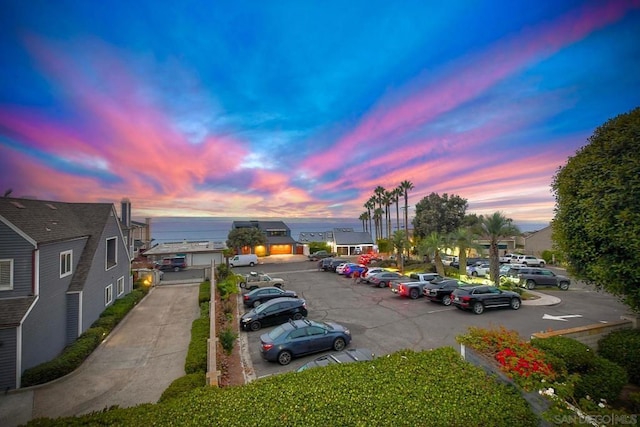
(261, 308)
(275, 333)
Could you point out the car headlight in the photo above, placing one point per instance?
(348, 332)
(246, 320)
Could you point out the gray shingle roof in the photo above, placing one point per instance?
(12, 310)
(352, 237)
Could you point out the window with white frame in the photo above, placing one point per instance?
(108, 294)
(120, 286)
(6, 274)
(66, 263)
(112, 252)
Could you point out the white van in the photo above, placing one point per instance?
(240, 260)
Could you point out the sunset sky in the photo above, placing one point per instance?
(302, 108)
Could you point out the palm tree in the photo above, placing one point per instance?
(463, 239)
(431, 246)
(495, 227)
(364, 217)
(370, 205)
(377, 219)
(388, 199)
(405, 186)
(397, 192)
(399, 240)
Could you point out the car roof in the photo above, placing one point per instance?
(281, 299)
(257, 290)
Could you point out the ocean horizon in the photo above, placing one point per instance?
(216, 229)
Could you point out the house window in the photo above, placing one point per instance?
(6, 274)
(66, 263)
(108, 294)
(120, 286)
(112, 252)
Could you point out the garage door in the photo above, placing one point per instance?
(280, 249)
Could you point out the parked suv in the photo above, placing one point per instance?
(175, 264)
(528, 260)
(531, 277)
(478, 298)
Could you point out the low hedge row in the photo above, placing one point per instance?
(623, 348)
(598, 378)
(196, 360)
(406, 388)
(182, 385)
(75, 353)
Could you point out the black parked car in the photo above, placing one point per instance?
(440, 291)
(300, 337)
(274, 312)
(477, 298)
(345, 356)
(335, 262)
(261, 295)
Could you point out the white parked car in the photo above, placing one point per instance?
(479, 270)
(529, 261)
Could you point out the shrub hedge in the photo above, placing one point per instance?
(577, 357)
(75, 353)
(196, 360)
(623, 348)
(406, 388)
(603, 380)
(204, 294)
(181, 385)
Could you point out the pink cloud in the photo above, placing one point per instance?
(466, 79)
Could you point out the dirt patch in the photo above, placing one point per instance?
(230, 366)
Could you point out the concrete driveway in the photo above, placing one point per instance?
(134, 365)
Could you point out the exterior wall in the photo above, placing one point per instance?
(588, 335)
(204, 259)
(93, 301)
(8, 351)
(73, 309)
(44, 329)
(13, 246)
(538, 242)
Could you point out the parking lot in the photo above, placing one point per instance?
(384, 322)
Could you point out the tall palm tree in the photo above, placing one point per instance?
(397, 193)
(495, 227)
(406, 186)
(370, 205)
(379, 196)
(364, 217)
(388, 199)
(431, 246)
(377, 219)
(399, 240)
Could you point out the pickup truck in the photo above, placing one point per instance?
(256, 280)
(320, 255)
(413, 289)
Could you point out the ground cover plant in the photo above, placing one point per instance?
(406, 388)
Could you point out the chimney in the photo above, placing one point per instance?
(147, 232)
(125, 212)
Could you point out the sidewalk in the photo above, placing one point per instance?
(543, 299)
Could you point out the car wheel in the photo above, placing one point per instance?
(284, 357)
(542, 264)
(339, 344)
(255, 325)
(515, 303)
(243, 284)
(531, 284)
(230, 265)
(278, 285)
(446, 300)
(297, 316)
(564, 285)
(525, 264)
(382, 285)
(474, 273)
(257, 303)
(176, 268)
(415, 293)
(251, 264)
(478, 308)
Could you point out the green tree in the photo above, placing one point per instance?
(431, 246)
(406, 186)
(379, 198)
(463, 238)
(364, 217)
(399, 240)
(495, 227)
(597, 214)
(241, 237)
(370, 205)
(441, 214)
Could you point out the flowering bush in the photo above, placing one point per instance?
(524, 364)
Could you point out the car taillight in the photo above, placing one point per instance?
(466, 298)
(401, 287)
(246, 297)
(267, 347)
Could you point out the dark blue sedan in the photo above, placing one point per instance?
(299, 337)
